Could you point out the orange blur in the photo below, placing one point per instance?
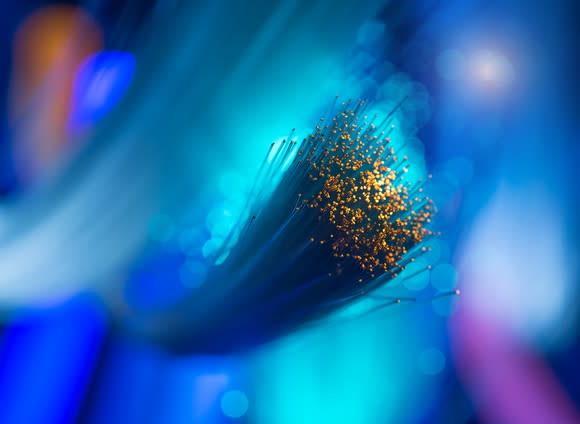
(48, 48)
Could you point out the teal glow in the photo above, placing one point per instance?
(234, 404)
(360, 372)
(354, 370)
(220, 221)
(354, 310)
(233, 186)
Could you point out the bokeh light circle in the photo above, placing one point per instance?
(444, 277)
(438, 251)
(234, 404)
(193, 273)
(445, 306)
(416, 275)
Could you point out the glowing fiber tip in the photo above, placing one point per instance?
(345, 194)
(376, 217)
(328, 220)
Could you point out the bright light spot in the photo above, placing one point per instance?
(431, 361)
(234, 404)
(491, 68)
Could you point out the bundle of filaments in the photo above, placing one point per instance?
(328, 221)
